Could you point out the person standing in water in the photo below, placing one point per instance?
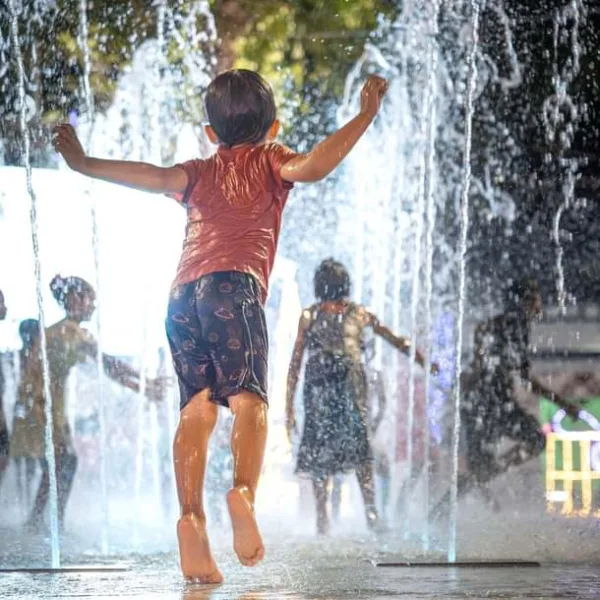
(216, 321)
(68, 344)
(336, 436)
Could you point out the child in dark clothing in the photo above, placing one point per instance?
(215, 322)
(336, 434)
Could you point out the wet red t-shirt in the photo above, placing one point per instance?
(234, 201)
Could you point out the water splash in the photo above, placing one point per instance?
(464, 229)
(427, 133)
(82, 40)
(142, 429)
(430, 113)
(414, 305)
(170, 405)
(155, 140)
(155, 441)
(89, 104)
(395, 150)
(561, 116)
(48, 404)
(157, 106)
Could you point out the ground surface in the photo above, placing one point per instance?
(296, 568)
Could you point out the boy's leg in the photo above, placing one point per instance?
(365, 476)
(248, 439)
(198, 419)
(39, 504)
(320, 488)
(526, 431)
(4, 445)
(336, 497)
(30, 465)
(20, 477)
(3, 465)
(382, 469)
(66, 466)
(479, 462)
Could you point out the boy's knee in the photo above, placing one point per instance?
(199, 408)
(247, 402)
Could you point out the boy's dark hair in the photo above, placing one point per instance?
(29, 332)
(240, 107)
(520, 292)
(61, 287)
(332, 281)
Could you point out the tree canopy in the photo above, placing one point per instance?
(307, 44)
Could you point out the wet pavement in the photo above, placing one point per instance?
(298, 567)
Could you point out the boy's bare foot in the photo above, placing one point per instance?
(197, 562)
(247, 541)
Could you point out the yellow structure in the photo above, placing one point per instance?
(570, 479)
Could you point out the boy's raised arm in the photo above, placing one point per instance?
(328, 154)
(141, 176)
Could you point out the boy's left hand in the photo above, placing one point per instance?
(67, 144)
(372, 94)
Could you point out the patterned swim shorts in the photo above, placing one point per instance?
(218, 336)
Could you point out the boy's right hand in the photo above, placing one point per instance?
(371, 95)
(67, 143)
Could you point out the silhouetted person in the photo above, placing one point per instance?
(489, 408)
(68, 344)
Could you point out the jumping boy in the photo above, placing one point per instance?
(215, 322)
(489, 408)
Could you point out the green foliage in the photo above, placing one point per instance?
(297, 44)
(311, 42)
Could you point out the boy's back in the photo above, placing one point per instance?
(234, 200)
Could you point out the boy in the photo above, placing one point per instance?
(489, 410)
(215, 321)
